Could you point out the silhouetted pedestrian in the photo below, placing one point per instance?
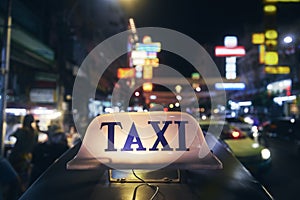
(46, 153)
(21, 154)
(10, 184)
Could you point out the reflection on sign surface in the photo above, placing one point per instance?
(144, 140)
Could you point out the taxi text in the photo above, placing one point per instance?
(133, 137)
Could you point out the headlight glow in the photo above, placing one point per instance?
(265, 154)
(254, 129)
(255, 134)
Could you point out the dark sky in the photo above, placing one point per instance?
(207, 21)
(203, 20)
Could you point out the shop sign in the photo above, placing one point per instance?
(41, 95)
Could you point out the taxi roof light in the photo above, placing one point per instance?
(144, 140)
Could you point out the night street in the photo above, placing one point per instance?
(88, 88)
(282, 181)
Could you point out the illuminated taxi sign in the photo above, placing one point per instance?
(144, 140)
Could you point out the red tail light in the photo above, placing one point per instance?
(235, 134)
(232, 133)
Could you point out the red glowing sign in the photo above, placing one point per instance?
(222, 51)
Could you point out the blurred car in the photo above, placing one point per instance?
(283, 128)
(242, 125)
(247, 125)
(253, 155)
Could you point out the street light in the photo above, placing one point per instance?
(288, 39)
(288, 43)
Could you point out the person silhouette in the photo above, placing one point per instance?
(21, 154)
(44, 154)
(10, 184)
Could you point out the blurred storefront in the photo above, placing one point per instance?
(32, 78)
(281, 91)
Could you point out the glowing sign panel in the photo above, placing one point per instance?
(147, 87)
(224, 51)
(271, 58)
(277, 69)
(230, 86)
(149, 47)
(144, 140)
(154, 62)
(262, 51)
(271, 34)
(143, 55)
(270, 8)
(126, 72)
(230, 41)
(258, 38)
(139, 54)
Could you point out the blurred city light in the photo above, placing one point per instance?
(271, 34)
(16, 111)
(178, 97)
(198, 89)
(245, 103)
(178, 88)
(280, 100)
(265, 154)
(255, 145)
(270, 9)
(147, 87)
(258, 38)
(224, 51)
(153, 97)
(288, 39)
(277, 69)
(230, 41)
(137, 94)
(248, 120)
(282, 1)
(271, 58)
(230, 86)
